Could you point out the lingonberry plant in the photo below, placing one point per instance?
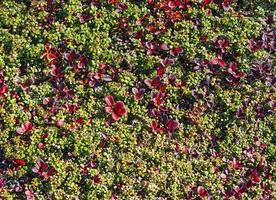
(137, 99)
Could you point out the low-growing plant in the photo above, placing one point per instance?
(138, 99)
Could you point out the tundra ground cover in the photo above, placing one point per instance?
(145, 99)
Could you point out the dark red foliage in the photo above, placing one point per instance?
(121, 7)
(261, 166)
(157, 98)
(155, 127)
(150, 47)
(2, 184)
(270, 19)
(177, 148)
(116, 109)
(143, 19)
(79, 120)
(81, 62)
(42, 169)
(155, 83)
(268, 40)
(254, 177)
(15, 95)
(113, 2)
(205, 2)
(240, 190)
(71, 56)
(173, 4)
(138, 34)
(171, 126)
(20, 162)
(175, 16)
(226, 4)
(175, 51)
(104, 140)
(229, 192)
(222, 44)
(236, 164)
(52, 55)
(167, 62)
(262, 70)
(25, 128)
(161, 71)
(233, 70)
(266, 188)
(138, 93)
(218, 61)
(235, 75)
(253, 45)
(105, 72)
(3, 89)
(96, 179)
(83, 169)
(202, 192)
(83, 18)
(240, 113)
(57, 72)
(260, 111)
(71, 108)
(172, 79)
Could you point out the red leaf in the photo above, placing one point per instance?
(113, 2)
(138, 93)
(175, 51)
(218, 61)
(113, 197)
(201, 192)
(167, 62)
(161, 71)
(226, 4)
(97, 179)
(172, 125)
(109, 100)
(25, 128)
(254, 177)
(4, 89)
(119, 108)
(20, 162)
(205, 2)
